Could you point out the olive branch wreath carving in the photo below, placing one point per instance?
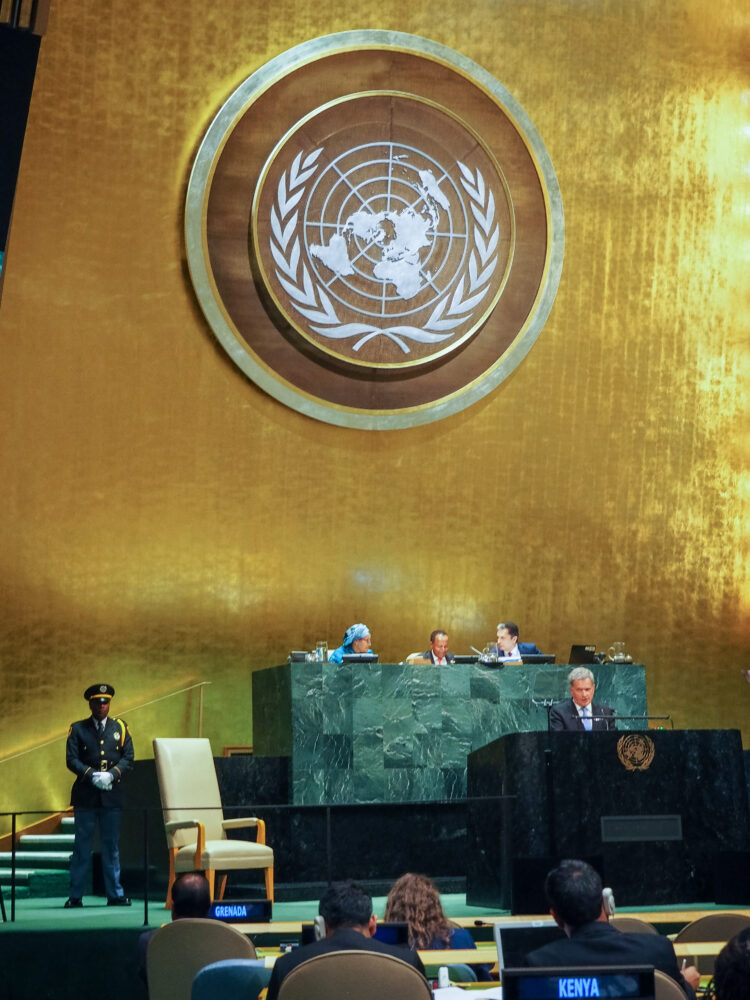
(312, 301)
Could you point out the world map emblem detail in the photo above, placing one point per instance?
(385, 253)
(374, 230)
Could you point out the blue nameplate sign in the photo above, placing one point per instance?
(241, 911)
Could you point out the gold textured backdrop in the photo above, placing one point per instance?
(164, 522)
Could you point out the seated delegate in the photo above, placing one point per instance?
(356, 640)
(574, 893)
(438, 653)
(414, 899)
(349, 925)
(508, 647)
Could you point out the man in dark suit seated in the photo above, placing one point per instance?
(438, 651)
(508, 647)
(349, 925)
(580, 713)
(191, 897)
(574, 894)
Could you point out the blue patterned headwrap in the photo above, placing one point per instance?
(358, 631)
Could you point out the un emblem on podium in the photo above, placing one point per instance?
(636, 751)
(374, 230)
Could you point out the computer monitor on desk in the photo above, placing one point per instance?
(580, 655)
(623, 982)
(537, 657)
(514, 939)
(359, 658)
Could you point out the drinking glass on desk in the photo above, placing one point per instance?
(489, 654)
(321, 650)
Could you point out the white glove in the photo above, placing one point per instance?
(102, 780)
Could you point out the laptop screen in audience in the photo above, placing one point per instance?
(619, 982)
(395, 932)
(514, 939)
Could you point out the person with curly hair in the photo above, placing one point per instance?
(414, 900)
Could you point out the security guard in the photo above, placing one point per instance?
(99, 752)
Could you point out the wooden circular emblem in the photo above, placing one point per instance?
(636, 751)
(374, 230)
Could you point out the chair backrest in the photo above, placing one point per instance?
(665, 988)
(188, 787)
(178, 951)
(633, 925)
(231, 979)
(712, 927)
(345, 975)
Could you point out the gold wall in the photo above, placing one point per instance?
(164, 522)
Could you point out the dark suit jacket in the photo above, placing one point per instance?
(344, 939)
(428, 655)
(86, 752)
(599, 943)
(521, 648)
(564, 715)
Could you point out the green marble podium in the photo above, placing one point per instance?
(399, 732)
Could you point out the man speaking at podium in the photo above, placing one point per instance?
(580, 713)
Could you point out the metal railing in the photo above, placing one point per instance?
(130, 711)
(155, 814)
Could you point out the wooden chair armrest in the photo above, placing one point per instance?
(245, 821)
(200, 843)
(181, 824)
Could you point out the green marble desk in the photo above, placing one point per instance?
(395, 732)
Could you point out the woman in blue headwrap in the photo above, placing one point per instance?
(356, 640)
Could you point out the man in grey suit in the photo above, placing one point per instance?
(580, 713)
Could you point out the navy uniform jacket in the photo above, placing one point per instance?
(600, 943)
(564, 716)
(86, 752)
(344, 939)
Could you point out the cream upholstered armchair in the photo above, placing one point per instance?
(194, 820)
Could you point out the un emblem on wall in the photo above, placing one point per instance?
(385, 253)
(374, 232)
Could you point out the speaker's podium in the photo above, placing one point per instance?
(654, 810)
